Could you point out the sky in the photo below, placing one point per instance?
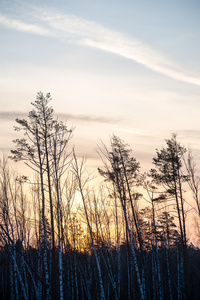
(129, 68)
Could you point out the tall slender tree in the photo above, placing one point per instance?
(168, 173)
(78, 171)
(122, 170)
(42, 147)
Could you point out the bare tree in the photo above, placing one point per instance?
(168, 173)
(194, 180)
(122, 170)
(78, 171)
(43, 150)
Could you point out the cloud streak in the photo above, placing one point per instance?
(22, 26)
(90, 118)
(87, 33)
(12, 115)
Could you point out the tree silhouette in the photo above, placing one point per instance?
(42, 148)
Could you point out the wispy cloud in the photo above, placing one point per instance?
(88, 33)
(22, 26)
(12, 115)
(89, 118)
(97, 36)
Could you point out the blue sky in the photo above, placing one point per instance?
(131, 68)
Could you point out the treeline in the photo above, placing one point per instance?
(61, 238)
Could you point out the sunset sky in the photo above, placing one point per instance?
(130, 68)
